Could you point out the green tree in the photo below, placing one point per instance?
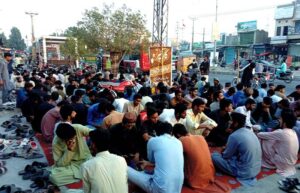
(117, 30)
(3, 40)
(15, 39)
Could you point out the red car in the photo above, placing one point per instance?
(116, 86)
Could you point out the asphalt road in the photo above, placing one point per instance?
(290, 87)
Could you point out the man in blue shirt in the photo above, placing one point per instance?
(242, 155)
(96, 114)
(281, 69)
(166, 154)
(22, 94)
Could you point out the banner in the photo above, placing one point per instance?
(161, 66)
(246, 26)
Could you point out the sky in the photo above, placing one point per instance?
(57, 15)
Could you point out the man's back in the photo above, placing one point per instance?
(198, 167)
(243, 147)
(105, 173)
(167, 154)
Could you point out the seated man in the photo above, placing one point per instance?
(96, 114)
(125, 138)
(168, 173)
(69, 152)
(263, 114)
(105, 172)
(280, 147)
(242, 155)
(174, 116)
(197, 122)
(199, 171)
(134, 106)
(219, 135)
(112, 116)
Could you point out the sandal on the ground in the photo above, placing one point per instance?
(3, 170)
(2, 163)
(8, 155)
(39, 164)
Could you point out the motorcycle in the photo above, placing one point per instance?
(287, 77)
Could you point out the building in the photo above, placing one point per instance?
(286, 40)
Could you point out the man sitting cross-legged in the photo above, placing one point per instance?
(106, 172)
(199, 170)
(165, 152)
(242, 155)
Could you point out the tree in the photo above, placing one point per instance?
(120, 30)
(3, 40)
(15, 39)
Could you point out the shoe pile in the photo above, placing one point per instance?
(18, 138)
(37, 173)
(8, 106)
(291, 185)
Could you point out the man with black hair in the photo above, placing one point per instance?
(242, 155)
(106, 172)
(96, 114)
(23, 93)
(197, 122)
(263, 90)
(112, 116)
(280, 147)
(264, 114)
(295, 96)
(69, 152)
(199, 171)
(125, 138)
(174, 116)
(80, 109)
(5, 83)
(134, 106)
(239, 95)
(219, 135)
(246, 110)
(42, 109)
(168, 174)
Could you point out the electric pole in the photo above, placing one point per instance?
(193, 31)
(160, 22)
(32, 14)
(214, 35)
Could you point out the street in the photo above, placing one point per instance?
(290, 87)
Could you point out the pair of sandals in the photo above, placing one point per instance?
(291, 185)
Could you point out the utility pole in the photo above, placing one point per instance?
(193, 31)
(203, 43)
(32, 14)
(215, 41)
(160, 22)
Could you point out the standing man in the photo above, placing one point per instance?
(204, 68)
(6, 85)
